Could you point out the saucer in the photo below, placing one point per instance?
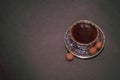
(82, 50)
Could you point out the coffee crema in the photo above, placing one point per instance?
(84, 32)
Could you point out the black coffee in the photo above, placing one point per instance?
(84, 32)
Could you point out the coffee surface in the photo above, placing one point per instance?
(84, 32)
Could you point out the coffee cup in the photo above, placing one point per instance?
(82, 36)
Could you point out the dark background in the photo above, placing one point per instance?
(32, 39)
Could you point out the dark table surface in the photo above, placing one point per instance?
(32, 39)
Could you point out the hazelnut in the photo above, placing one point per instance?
(92, 50)
(69, 56)
(98, 45)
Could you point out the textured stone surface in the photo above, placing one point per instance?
(32, 39)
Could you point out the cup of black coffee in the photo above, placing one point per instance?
(82, 36)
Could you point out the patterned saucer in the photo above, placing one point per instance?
(81, 50)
